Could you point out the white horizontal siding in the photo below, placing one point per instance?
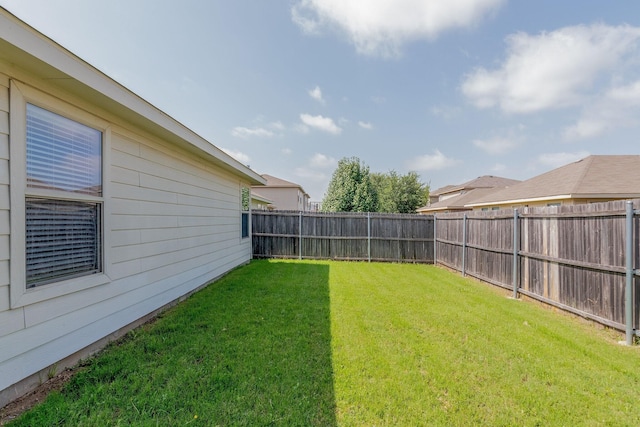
(4, 300)
(175, 224)
(125, 176)
(4, 92)
(10, 321)
(4, 145)
(4, 247)
(130, 307)
(149, 235)
(4, 283)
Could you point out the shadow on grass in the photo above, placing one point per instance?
(273, 344)
(253, 348)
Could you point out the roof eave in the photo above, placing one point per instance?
(556, 197)
(517, 201)
(31, 51)
(442, 208)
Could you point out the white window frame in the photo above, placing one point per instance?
(21, 94)
(245, 210)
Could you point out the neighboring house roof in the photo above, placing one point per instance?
(260, 198)
(485, 181)
(443, 190)
(611, 176)
(458, 202)
(468, 192)
(275, 182)
(26, 48)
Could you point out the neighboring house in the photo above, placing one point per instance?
(284, 195)
(110, 210)
(592, 179)
(259, 203)
(454, 198)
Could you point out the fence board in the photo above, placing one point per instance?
(343, 236)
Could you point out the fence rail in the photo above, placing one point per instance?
(581, 258)
(343, 236)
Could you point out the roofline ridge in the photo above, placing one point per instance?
(589, 162)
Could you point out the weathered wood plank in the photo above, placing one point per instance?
(358, 236)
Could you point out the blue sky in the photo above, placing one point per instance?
(452, 90)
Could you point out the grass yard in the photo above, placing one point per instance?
(289, 343)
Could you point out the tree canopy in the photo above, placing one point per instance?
(353, 188)
(350, 188)
(399, 193)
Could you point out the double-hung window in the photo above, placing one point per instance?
(57, 197)
(245, 198)
(63, 200)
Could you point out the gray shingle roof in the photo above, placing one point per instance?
(594, 176)
(485, 181)
(459, 202)
(273, 181)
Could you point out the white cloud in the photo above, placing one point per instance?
(312, 175)
(286, 151)
(239, 156)
(381, 27)
(496, 146)
(587, 127)
(243, 132)
(618, 107)
(325, 124)
(365, 125)
(555, 160)
(316, 93)
(322, 161)
(431, 162)
(629, 94)
(316, 172)
(277, 126)
(552, 70)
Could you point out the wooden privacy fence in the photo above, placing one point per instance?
(343, 236)
(581, 258)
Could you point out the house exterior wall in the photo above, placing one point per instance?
(8, 321)
(542, 203)
(286, 198)
(259, 206)
(172, 224)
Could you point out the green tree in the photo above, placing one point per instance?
(400, 193)
(385, 184)
(350, 188)
(411, 193)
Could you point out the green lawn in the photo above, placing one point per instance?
(288, 343)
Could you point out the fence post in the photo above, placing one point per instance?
(628, 294)
(464, 243)
(368, 236)
(300, 236)
(435, 241)
(516, 247)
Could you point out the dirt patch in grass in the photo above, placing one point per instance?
(14, 409)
